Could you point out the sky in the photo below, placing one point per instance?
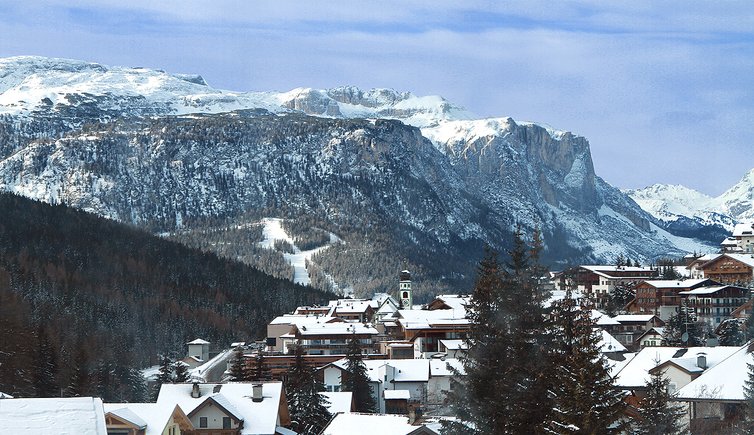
(663, 91)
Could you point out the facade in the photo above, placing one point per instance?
(598, 281)
(733, 269)
(714, 304)
(632, 326)
(744, 237)
(330, 338)
(662, 298)
(282, 325)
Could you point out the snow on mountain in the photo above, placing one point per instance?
(670, 203)
(489, 175)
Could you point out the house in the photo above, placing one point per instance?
(352, 310)
(442, 319)
(744, 236)
(733, 269)
(386, 305)
(599, 281)
(652, 337)
(715, 400)
(330, 338)
(453, 348)
(196, 409)
(69, 415)
(373, 424)
(198, 352)
(694, 266)
(713, 304)
(631, 326)
(441, 379)
(661, 297)
(282, 325)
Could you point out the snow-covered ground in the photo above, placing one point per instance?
(273, 230)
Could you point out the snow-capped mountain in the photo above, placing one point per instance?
(167, 151)
(674, 204)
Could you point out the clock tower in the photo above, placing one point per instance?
(404, 291)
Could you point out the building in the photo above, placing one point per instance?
(713, 304)
(694, 266)
(661, 297)
(282, 325)
(651, 338)
(598, 282)
(744, 237)
(198, 350)
(733, 269)
(330, 338)
(203, 409)
(631, 326)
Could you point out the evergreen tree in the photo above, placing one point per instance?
(136, 386)
(45, 367)
(746, 425)
(164, 376)
(357, 380)
(659, 416)
(259, 370)
(585, 400)
(238, 371)
(180, 372)
(684, 322)
(731, 332)
(308, 408)
(80, 379)
(506, 387)
(619, 297)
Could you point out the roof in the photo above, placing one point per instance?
(353, 307)
(608, 343)
(426, 319)
(454, 302)
(70, 415)
(350, 423)
(198, 341)
(617, 271)
(440, 367)
(724, 381)
(746, 229)
(128, 415)
(406, 370)
(339, 328)
(708, 290)
(603, 319)
(455, 344)
(666, 283)
(258, 417)
(339, 402)
(635, 373)
(396, 394)
(746, 259)
(152, 415)
(302, 319)
(624, 318)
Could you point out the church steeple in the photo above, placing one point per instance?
(404, 291)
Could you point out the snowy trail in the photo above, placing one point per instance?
(273, 230)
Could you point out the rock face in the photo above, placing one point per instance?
(167, 151)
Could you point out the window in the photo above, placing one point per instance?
(226, 422)
(202, 421)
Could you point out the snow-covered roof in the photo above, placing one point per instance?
(603, 319)
(127, 414)
(455, 302)
(455, 344)
(745, 229)
(439, 367)
(724, 381)
(339, 328)
(705, 290)
(425, 319)
(608, 343)
(258, 417)
(667, 283)
(5, 396)
(405, 370)
(70, 415)
(198, 341)
(152, 416)
(339, 402)
(746, 259)
(349, 423)
(352, 307)
(635, 373)
(617, 271)
(302, 319)
(396, 394)
(625, 318)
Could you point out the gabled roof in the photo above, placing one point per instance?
(725, 381)
(222, 402)
(198, 341)
(73, 415)
(154, 417)
(658, 330)
(259, 417)
(608, 343)
(746, 259)
(746, 229)
(128, 415)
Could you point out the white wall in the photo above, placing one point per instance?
(214, 417)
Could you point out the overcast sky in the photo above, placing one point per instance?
(664, 91)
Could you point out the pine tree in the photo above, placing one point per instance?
(684, 322)
(357, 380)
(659, 416)
(45, 367)
(164, 376)
(180, 372)
(259, 370)
(585, 400)
(731, 332)
(308, 408)
(506, 387)
(80, 379)
(238, 371)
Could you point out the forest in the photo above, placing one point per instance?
(84, 301)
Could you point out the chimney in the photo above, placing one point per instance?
(195, 393)
(701, 360)
(256, 393)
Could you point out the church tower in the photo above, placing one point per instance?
(404, 291)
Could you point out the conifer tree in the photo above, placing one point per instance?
(506, 387)
(659, 416)
(357, 380)
(238, 371)
(80, 379)
(585, 400)
(683, 322)
(164, 376)
(308, 408)
(731, 332)
(180, 372)
(259, 370)
(45, 367)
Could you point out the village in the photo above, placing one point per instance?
(413, 357)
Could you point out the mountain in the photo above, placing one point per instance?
(88, 293)
(400, 180)
(686, 212)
